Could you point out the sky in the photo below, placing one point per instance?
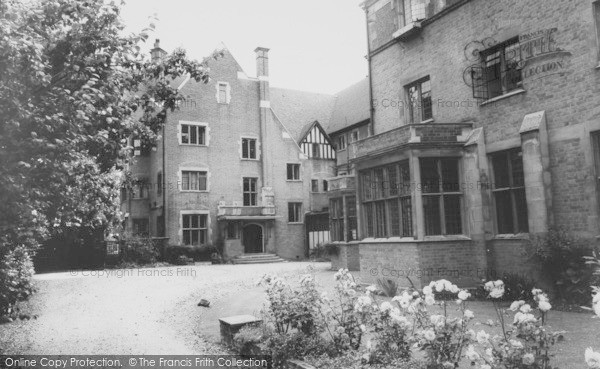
(316, 45)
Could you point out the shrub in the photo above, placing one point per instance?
(138, 251)
(249, 340)
(196, 253)
(516, 287)
(354, 360)
(562, 258)
(388, 286)
(324, 251)
(16, 270)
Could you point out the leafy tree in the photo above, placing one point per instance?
(73, 88)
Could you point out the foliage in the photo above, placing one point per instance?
(324, 251)
(73, 89)
(16, 270)
(353, 360)
(527, 344)
(516, 287)
(138, 251)
(389, 287)
(292, 310)
(173, 253)
(562, 257)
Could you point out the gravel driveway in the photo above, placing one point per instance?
(139, 311)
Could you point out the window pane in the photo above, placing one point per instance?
(202, 236)
(431, 208)
(246, 184)
(392, 185)
(195, 235)
(407, 228)
(450, 177)
(194, 181)
(404, 184)
(504, 214)
(201, 135)
(367, 186)
(427, 112)
(253, 199)
(203, 220)
(522, 214)
(453, 214)
(194, 135)
(185, 181)
(516, 161)
(296, 171)
(394, 207)
(247, 199)
(414, 104)
(187, 239)
(380, 219)
(290, 172)
(185, 134)
(379, 183)
(325, 186)
(369, 219)
(501, 175)
(430, 179)
(314, 185)
(252, 154)
(253, 184)
(202, 182)
(194, 221)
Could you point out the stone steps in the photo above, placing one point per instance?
(257, 259)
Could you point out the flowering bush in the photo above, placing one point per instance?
(443, 338)
(16, 270)
(527, 344)
(289, 309)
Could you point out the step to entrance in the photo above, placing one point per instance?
(257, 259)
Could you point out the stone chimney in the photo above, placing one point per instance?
(262, 72)
(157, 54)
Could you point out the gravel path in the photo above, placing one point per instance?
(140, 311)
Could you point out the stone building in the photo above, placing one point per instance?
(486, 130)
(240, 164)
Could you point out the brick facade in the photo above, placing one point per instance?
(559, 94)
(246, 113)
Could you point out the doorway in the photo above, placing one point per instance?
(252, 237)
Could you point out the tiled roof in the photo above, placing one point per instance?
(298, 110)
(351, 107)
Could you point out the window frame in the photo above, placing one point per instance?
(501, 48)
(194, 170)
(387, 207)
(341, 142)
(247, 156)
(226, 91)
(314, 185)
(422, 107)
(296, 207)
(442, 195)
(511, 189)
(135, 222)
(201, 230)
(252, 195)
(197, 126)
(295, 172)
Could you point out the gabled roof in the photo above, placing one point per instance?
(351, 107)
(309, 127)
(298, 110)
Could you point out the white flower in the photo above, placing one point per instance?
(485, 366)
(454, 289)
(439, 286)
(429, 335)
(488, 286)
(536, 291)
(592, 358)
(544, 306)
(363, 328)
(516, 344)
(429, 300)
(437, 320)
(464, 295)
(597, 308)
(469, 314)
(521, 318)
(528, 359)
(525, 308)
(482, 337)
(385, 306)
(516, 305)
(471, 354)
(471, 334)
(427, 290)
(372, 288)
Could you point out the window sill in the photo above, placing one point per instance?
(294, 180)
(249, 159)
(430, 120)
(296, 223)
(510, 236)
(193, 191)
(502, 97)
(140, 198)
(445, 238)
(192, 145)
(388, 240)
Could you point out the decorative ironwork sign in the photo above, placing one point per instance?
(498, 68)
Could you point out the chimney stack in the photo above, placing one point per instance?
(262, 72)
(157, 54)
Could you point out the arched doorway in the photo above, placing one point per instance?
(252, 237)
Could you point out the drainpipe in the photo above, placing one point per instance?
(164, 180)
(371, 107)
